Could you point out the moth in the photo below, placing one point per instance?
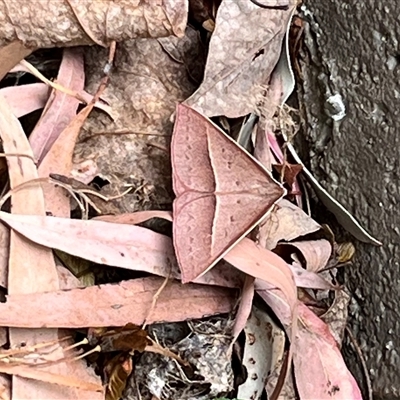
(222, 192)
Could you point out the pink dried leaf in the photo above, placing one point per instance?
(320, 370)
(32, 267)
(38, 374)
(120, 245)
(116, 305)
(59, 161)
(25, 99)
(61, 107)
(265, 265)
(245, 306)
(125, 246)
(310, 279)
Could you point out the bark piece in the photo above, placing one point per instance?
(48, 23)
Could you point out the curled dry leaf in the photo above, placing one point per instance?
(95, 21)
(115, 305)
(264, 347)
(222, 192)
(231, 85)
(337, 315)
(119, 368)
(286, 222)
(315, 252)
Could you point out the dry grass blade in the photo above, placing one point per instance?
(53, 85)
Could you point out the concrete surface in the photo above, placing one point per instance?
(353, 51)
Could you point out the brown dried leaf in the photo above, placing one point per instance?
(12, 53)
(221, 192)
(285, 222)
(43, 23)
(233, 75)
(290, 172)
(145, 86)
(119, 367)
(128, 338)
(61, 108)
(115, 305)
(24, 99)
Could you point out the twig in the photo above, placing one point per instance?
(257, 3)
(155, 298)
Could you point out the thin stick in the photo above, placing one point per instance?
(155, 298)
